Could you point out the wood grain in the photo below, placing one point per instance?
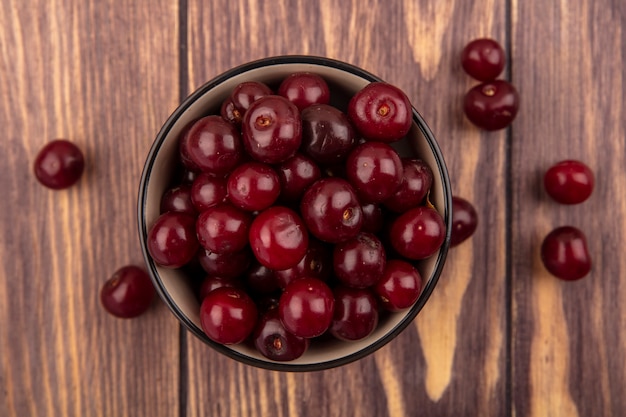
(104, 75)
(461, 332)
(568, 337)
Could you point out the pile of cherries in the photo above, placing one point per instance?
(303, 217)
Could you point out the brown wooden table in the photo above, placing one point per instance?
(499, 337)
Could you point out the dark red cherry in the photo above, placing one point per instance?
(213, 282)
(178, 199)
(213, 144)
(372, 218)
(274, 342)
(246, 93)
(304, 89)
(228, 315)
(278, 238)
(381, 112)
(260, 279)
(208, 191)
(272, 129)
(253, 186)
(483, 59)
(306, 307)
(464, 220)
(172, 240)
(356, 313)
(492, 105)
(418, 233)
(228, 265)
(569, 182)
(327, 135)
(223, 228)
(416, 182)
(296, 174)
(360, 261)
(400, 286)
(331, 210)
(230, 113)
(316, 263)
(564, 253)
(59, 164)
(128, 293)
(375, 171)
(183, 152)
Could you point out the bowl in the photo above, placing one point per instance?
(174, 286)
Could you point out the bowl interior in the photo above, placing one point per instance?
(174, 286)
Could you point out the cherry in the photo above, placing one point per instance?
(208, 191)
(228, 315)
(356, 313)
(306, 307)
(483, 59)
(278, 238)
(360, 261)
(178, 199)
(464, 220)
(274, 342)
(400, 285)
(229, 265)
(381, 111)
(375, 171)
(229, 112)
(304, 89)
(213, 282)
(327, 134)
(183, 153)
(372, 218)
(59, 164)
(331, 210)
(172, 240)
(418, 233)
(492, 105)
(316, 263)
(296, 174)
(253, 186)
(569, 182)
(272, 129)
(261, 280)
(213, 144)
(223, 228)
(564, 253)
(415, 185)
(246, 93)
(128, 292)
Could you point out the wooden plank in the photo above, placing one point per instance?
(460, 336)
(104, 75)
(568, 338)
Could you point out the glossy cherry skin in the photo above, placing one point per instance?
(208, 191)
(178, 199)
(183, 153)
(172, 240)
(296, 174)
(381, 112)
(327, 134)
(331, 210)
(359, 262)
(59, 164)
(356, 313)
(260, 279)
(400, 286)
(304, 89)
(316, 263)
(569, 182)
(274, 342)
(418, 233)
(228, 315)
(128, 293)
(483, 59)
(278, 238)
(306, 307)
(464, 220)
(213, 144)
(230, 112)
(492, 105)
(253, 186)
(416, 182)
(223, 228)
(213, 282)
(375, 171)
(372, 218)
(246, 93)
(564, 253)
(272, 129)
(228, 265)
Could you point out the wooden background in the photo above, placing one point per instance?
(499, 337)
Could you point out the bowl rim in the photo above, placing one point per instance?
(186, 321)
